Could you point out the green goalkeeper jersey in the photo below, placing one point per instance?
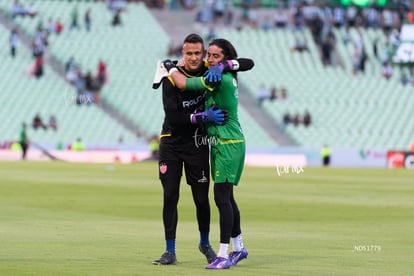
(225, 96)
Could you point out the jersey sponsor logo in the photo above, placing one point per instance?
(193, 101)
(163, 168)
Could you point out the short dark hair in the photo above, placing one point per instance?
(194, 38)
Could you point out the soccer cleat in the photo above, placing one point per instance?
(237, 256)
(208, 251)
(219, 263)
(166, 259)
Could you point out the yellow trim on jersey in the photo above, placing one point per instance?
(231, 141)
(186, 74)
(165, 135)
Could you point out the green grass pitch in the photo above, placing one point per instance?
(94, 219)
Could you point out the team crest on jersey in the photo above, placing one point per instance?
(163, 168)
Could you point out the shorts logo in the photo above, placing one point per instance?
(203, 179)
(163, 168)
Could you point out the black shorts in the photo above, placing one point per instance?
(194, 159)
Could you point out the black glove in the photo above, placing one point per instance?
(168, 64)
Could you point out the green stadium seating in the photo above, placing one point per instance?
(364, 111)
(23, 96)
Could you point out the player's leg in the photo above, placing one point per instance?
(222, 192)
(198, 177)
(170, 174)
(239, 251)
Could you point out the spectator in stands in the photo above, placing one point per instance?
(372, 17)
(24, 141)
(296, 120)
(387, 20)
(88, 19)
(338, 16)
(17, 9)
(262, 94)
(228, 14)
(218, 7)
(273, 93)
(52, 122)
(71, 70)
(116, 5)
(301, 45)
(14, 41)
(31, 10)
(39, 43)
(211, 33)
(404, 79)
(351, 15)
(89, 84)
(38, 67)
(298, 18)
(375, 47)
(359, 54)
(80, 87)
(410, 16)
(281, 19)
(50, 26)
(59, 26)
(38, 122)
(307, 120)
(283, 93)
(327, 47)
(74, 15)
(286, 120)
(102, 74)
(266, 24)
(116, 19)
(386, 70)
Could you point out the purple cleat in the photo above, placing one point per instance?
(219, 263)
(237, 256)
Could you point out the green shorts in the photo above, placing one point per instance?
(227, 161)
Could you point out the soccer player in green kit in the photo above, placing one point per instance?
(227, 144)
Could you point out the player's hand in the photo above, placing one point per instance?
(212, 76)
(168, 64)
(213, 115)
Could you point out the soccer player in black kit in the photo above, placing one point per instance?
(182, 145)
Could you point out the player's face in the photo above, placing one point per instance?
(214, 55)
(193, 54)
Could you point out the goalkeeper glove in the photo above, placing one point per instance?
(213, 115)
(212, 76)
(169, 66)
